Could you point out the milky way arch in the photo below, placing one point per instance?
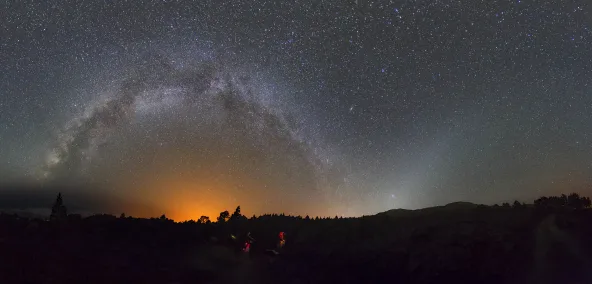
(206, 111)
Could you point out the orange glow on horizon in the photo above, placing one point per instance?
(189, 200)
(186, 201)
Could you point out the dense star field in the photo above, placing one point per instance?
(302, 107)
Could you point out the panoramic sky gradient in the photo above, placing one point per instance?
(304, 107)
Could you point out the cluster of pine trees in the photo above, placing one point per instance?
(572, 201)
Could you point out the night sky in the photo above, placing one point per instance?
(301, 107)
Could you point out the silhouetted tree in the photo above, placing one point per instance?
(574, 201)
(517, 204)
(58, 210)
(586, 203)
(237, 214)
(203, 220)
(122, 216)
(506, 204)
(224, 216)
(562, 200)
(306, 218)
(541, 202)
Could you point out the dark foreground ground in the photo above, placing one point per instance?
(459, 243)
